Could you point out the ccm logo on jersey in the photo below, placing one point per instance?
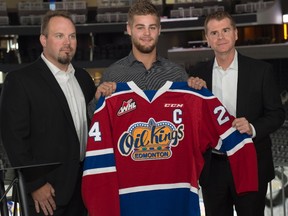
(173, 105)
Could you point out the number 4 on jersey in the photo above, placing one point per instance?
(95, 132)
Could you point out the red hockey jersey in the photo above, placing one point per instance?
(145, 151)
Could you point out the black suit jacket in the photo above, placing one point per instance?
(258, 100)
(37, 126)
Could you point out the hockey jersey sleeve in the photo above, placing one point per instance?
(100, 191)
(238, 147)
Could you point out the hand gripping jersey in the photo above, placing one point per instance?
(144, 151)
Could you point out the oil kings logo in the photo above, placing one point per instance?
(126, 107)
(150, 141)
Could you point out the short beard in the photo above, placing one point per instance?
(64, 60)
(144, 49)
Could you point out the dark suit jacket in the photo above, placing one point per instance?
(37, 126)
(258, 100)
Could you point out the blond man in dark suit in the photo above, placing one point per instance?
(248, 89)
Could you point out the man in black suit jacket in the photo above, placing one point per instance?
(44, 120)
(248, 89)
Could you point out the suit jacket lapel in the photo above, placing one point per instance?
(242, 90)
(209, 78)
(56, 89)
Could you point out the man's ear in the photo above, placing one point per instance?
(128, 29)
(207, 41)
(43, 40)
(236, 34)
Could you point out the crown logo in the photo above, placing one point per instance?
(150, 141)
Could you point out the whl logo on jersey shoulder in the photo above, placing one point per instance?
(127, 106)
